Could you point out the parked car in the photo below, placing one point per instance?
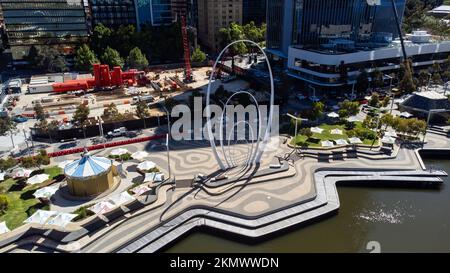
(117, 132)
(19, 119)
(131, 134)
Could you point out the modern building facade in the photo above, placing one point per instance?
(58, 23)
(327, 43)
(254, 11)
(214, 15)
(113, 13)
(154, 12)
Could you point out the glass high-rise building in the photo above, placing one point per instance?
(113, 13)
(59, 23)
(154, 12)
(317, 41)
(254, 10)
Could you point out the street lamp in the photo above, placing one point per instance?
(390, 91)
(429, 81)
(296, 121)
(168, 139)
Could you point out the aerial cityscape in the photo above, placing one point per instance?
(224, 126)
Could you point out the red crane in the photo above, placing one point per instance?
(187, 55)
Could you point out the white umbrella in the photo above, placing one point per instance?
(336, 132)
(3, 228)
(316, 130)
(353, 119)
(327, 143)
(101, 207)
(2, 176)
(140, 189)
(61, 219)
(37, 179)
(21, 172)
(388, 140)
(146, 165)
(391, 134)
(154, 177)
(333, 115)
(40, 217)
(355, 140)
(121, 198)
(341, 142)
(140, 155)
(63, 164)
(119, 152)
(406, 115)
(46, 192)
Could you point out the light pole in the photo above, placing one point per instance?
(296, 122)
(314, 91)
(446, 87)
(390, 91)
(429, 81)
(168, 139)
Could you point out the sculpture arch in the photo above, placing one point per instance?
(260, 143)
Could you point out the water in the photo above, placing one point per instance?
(401, 220)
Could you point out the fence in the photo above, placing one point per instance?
(104, 145)
(93, 130)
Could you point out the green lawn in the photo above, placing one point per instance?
(21, 200)
(315, 140)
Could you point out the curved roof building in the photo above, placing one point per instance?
(88, 166)
(89, 176)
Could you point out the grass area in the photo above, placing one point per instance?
(21, 202)
(315, 140)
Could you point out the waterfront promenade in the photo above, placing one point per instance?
(251, 208)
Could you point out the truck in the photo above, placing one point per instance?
(117, 132)
(145, 99)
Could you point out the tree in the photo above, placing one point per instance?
(362, 82)
(81, 114)
(142, 111)
(378, 80)
(85, 58)
(124, 39)
(232, 33)
(348, 108)
(101, 38)
(406, 84)
(4, 202)
(386, 101)
(198, 56)
(306, 132)
(374, 100)
(112, 58)
(42, 158)
(317, 110)
(136, 59)
(50, 60)
(111, 112)
(436, 78)
(8, 163)
(423, 78)
(6, 125)
(33, 57)
(39, 112)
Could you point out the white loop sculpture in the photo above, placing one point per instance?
(260, 145)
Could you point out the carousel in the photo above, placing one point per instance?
(90, 175)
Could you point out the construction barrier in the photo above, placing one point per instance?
(104, 145)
